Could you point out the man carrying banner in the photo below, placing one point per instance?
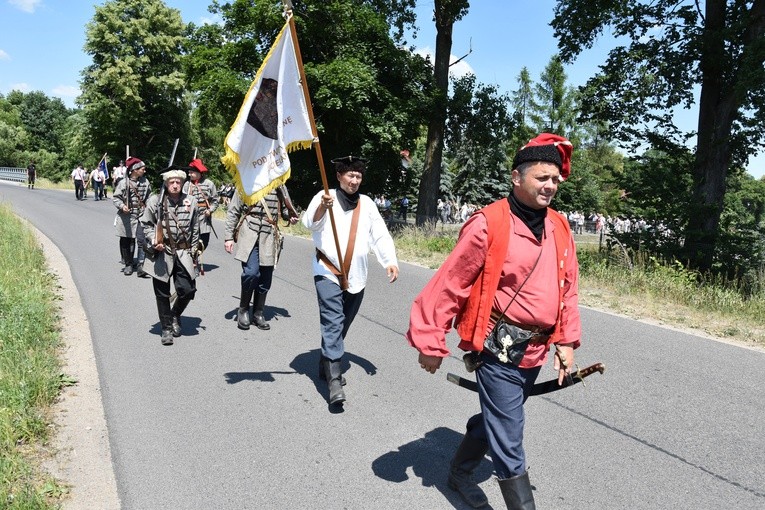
(172, 237)
(340, 288)
(105, 174)
(130, 198)
(206, 195)
(511, 287)
(97, 178)
(255, 230)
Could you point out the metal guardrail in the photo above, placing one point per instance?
(13, 174)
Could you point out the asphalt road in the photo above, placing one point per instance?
(228, 419)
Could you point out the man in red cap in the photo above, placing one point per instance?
(206, 194)
(511, 287)
(130, 198)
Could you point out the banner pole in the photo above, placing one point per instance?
(316, 143)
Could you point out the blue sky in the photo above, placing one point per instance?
(41, 45)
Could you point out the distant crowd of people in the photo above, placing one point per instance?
(595, 223)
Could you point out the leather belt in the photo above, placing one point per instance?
(496, 316)
(182, 246)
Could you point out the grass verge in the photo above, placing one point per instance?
(30, 370)
(665, 294)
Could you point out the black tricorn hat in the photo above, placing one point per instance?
(350, 164)
(347, 160)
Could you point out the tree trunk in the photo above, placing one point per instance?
(431, 174)
(719, 103)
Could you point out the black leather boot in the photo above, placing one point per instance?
(123, 257)
(128, 265)
(178, 308)
(243, 312)
(517, 492)
(165, 320)
(323, 375)
(334, 373)
(257, 311)
(468, 457)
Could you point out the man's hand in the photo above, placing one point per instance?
(159, 247)
(564, 361)
(392, 273)
(429, 363)
(229, 245)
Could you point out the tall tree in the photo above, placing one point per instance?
(445, 14)
(478, 128)
(675, 48)
(366, 87)
(43, 117)
(523, 101)
(133, 92)
(552, 105)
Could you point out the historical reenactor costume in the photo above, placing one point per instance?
(171, 226)
(203, 189)
(255, 230)
(359, 229)
(130, 198)
(511, 288)
(31, 175)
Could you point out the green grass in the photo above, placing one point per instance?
(665, 293)
(673, 294)
(30, 371)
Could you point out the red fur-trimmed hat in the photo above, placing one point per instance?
(196, 164)
(547, 147)
(134, 164)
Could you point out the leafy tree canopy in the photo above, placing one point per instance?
(133, 92)
(368, 91)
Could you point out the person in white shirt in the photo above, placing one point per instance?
(97, 178)
(79, 176)
(340, 298)
(118, 172)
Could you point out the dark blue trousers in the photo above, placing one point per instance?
(502, 390)
(254, 276)
(337, 309)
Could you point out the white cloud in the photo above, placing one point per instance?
(66, 91)
(4, 55)
(455, 71)
(208, 20)
(25, 5)
(21, 87)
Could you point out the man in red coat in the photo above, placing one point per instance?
(511, 287)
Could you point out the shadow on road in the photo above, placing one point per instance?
(269, 312)
(237, 377)
(429, 459)
(190, 326)
(307, 364)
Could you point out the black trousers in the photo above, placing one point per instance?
(79, 189)
(185, 286)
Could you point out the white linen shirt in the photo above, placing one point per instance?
(370, 234)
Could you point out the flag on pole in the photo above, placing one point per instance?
(272, 121)
(102, 168)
